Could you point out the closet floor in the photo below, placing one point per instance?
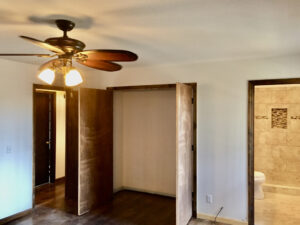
(127, 208)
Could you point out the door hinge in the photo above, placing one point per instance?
(192, 100)
(192, 147)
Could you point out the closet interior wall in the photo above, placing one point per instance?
(144, 141)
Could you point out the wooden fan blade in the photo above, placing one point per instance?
(13, 54)
(43, 44)
(109, 55)
(101, 65)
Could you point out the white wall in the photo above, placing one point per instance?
(60, 134)
(145, 141)
(222, 120)
(222, 124)
(15, 137)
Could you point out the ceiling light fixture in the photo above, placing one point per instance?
(62, 66)
(66, 49)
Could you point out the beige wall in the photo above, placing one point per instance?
(144, 141)
(277, 150)
(60, 134)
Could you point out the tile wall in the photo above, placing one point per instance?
(277, 134)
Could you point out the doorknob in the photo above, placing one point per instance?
(47, 142)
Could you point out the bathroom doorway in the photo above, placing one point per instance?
(274, 152)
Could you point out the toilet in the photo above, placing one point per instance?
(259, 179)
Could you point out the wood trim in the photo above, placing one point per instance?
(170, 86)
(15, 216)
(194, 208)
(53, 138)
(275, 81)
(251, 92)
(33, 146)
(50, 87)
(251, 89)
(143, 87)
(151, 87)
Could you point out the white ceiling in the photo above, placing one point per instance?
(159, 31)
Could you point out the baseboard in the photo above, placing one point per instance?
(15, 216)
(221, 219)
(61, 179)
(144, 191)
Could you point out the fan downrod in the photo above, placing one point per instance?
(68, 45)
(65, 25)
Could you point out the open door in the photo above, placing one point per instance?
(184, 162)
(71, 191)
(95, 148)
(44, 137)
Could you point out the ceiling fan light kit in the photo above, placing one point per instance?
(66, 49)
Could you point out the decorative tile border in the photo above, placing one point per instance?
(295, 117)
(290, 190)
(261, 117)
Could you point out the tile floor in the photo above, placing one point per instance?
(277, 209)
(203, 222)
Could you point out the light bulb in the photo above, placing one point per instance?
(73, 78)
(47, 76)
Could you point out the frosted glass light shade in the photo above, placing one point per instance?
(47, 76)
(73, 78)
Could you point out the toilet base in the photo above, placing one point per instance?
(258, 193)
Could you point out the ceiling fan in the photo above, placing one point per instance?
(66, 49)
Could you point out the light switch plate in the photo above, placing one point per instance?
(209, 199)
(8, 149)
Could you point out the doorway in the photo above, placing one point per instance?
(273, 151)
(45, 128)
(49, 118)
(148, 123)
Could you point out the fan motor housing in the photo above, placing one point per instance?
(68, 45)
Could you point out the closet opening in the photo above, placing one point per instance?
(149, 147)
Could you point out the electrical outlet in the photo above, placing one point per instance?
(209, 199)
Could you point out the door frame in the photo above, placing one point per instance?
(251, 91)
(39, 88)
(194, 101)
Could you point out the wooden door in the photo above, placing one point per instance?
(71, 186)
(44, 133)
(184, 165)
(95, 148)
